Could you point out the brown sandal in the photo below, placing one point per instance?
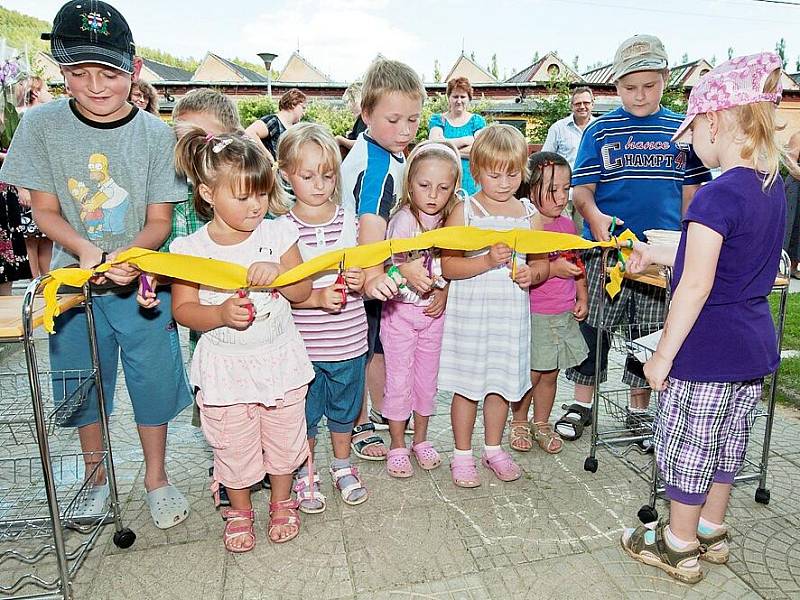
(547, 438)
(519, 436)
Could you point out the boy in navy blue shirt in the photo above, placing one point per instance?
(629, 169)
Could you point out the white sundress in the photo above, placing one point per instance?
(486, 343)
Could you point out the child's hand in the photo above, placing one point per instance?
(122, 273)
(581, 309)
(523, 277)
(331, 297)
(355, 277)
(599, 225)
(656, 370)
(237, 312)
(261, 274)
(564, 269)
(146, 293)
(416, 275)
(640, 258)
(438, 302)
(499, 254)
(382, 288)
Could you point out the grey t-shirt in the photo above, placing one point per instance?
(104, 174)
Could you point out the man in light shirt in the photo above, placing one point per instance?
(564, 136)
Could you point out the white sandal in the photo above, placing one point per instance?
(311, 501)
(347, 491)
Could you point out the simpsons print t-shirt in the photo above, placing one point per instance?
(638, 170)
(104, 174)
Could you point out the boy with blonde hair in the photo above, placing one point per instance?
(372, 180)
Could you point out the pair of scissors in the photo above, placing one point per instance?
(340, 281)
(620, 256)
(251, 311)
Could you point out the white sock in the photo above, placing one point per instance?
(583, 404)
(675, 541)
(637, 409)
(457, 452)
(490, 450)
(707, 527)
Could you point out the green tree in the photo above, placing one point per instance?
(674, 99)
(250, 110)
(336, 118)
(713, 61)
(575, 63)
(437, 74)
(547, 111)
(780, 48)
(730, 52)
(535, 58)
(684, 58)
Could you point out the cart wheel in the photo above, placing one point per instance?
(647, 514)
(124, 538)
(590, 464)
(762, 495)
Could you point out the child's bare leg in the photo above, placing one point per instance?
(520, 428)
(544, 395)
(519, 410)
(462, 418)
(420, 428)
(281, 488)
(495, 413)
(640, 398)
(376, 380)
(716, 503)
(240, 500)
(397, 432)
(5, 288)
(584, 393)
(683, 520)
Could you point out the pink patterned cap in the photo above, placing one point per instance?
(736, 82)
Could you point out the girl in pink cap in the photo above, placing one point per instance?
(719, 338)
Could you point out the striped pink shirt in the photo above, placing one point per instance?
(330, 337)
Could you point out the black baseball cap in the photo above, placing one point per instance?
(91, 31)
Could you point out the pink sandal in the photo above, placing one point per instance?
(464, 472)
(238, 524)
(398, 463)
(502, 465)
(292, 519)
(427, 456)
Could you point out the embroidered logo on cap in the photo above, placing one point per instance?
(94, 22)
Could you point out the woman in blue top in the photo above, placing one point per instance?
(459, 126)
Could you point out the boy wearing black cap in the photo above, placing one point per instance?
(102, 179)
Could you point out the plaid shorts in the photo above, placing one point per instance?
(636, 303)
(701, 434)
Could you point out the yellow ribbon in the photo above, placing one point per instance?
(230, 276)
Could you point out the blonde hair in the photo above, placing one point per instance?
(758, 125)
(298, 137)
(352, 95)
(387, 76)
(231, 159)
(499, 147)
(440, 150)
(210, 102)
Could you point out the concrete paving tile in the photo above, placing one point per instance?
(167, 572)
(313, 565)
(561, 578)
(767, 556)
(403, 547)
(637, 580)
(467, 587)
(783, 483)
(512, 529)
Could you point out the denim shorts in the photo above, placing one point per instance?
(336, 392)
(147, 342)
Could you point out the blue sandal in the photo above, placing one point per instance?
(359, 446)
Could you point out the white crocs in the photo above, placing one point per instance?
(168, 506)
(90, 504)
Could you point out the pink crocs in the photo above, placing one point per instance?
(502, 465)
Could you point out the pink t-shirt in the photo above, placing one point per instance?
(556, 295)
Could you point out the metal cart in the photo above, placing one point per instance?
(44, 538)
(616, 429)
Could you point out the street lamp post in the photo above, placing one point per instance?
(268, 57)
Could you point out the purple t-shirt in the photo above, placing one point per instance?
(734, 337)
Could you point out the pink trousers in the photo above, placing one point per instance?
(412, 342)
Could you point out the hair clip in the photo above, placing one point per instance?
(209, 137)
(275, 166)
(221, 145)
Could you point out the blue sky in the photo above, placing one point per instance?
(342, 36)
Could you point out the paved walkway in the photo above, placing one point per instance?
(552, 534)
